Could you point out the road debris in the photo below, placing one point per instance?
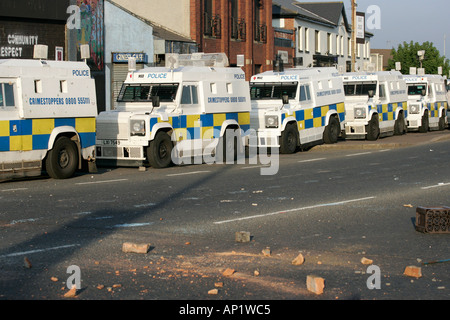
(26, 263)
(266, 252)
(135, 248)
(437, 261)
(366, 261)
(413, 271)
(299, 260)
(71, 293)
(242, 236)
(228, 272)
(315, 284)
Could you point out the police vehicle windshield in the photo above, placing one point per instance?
(359, 89)
(273, 90)
(144, 92)
(416, 89)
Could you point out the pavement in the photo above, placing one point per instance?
(390, 142)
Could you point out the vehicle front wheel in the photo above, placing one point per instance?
(373, 129)
(159, 152)
(442, 123)
(289, 140)
(62, 160)
(400, 127)
(331, 133)
(425, 124)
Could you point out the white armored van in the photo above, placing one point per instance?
(175, 113)
(427, 103)
(47, 117)
(296, 108)
(375, 104)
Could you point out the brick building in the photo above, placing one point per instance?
(26, 23)
(240, 28)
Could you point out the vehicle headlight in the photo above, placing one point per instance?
(271, 121)
(414, 109)
(137, 127)
(360, 113)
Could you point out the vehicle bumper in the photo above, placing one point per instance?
(265, 139)
(356, 129)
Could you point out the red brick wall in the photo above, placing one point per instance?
(256, 53)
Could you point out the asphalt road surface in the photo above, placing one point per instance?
(333, 204)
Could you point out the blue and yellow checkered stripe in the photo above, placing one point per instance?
(203, 126)
(433, 108)
(34, 134)
(386, 112)
(316, 117)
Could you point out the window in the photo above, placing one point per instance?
(305, 94)
(212, 22)
(416, 89)
(145, 92)
(349, 46)
(338, 45)
(229, 88)
(267, 90)
(360, 89)
(213, 88)
(329, 44)
(63, 86)
(38, 86)
(189, 95)
(6, 95)
(382, 93)
(307, 39)
(317, 41)
(300, 38)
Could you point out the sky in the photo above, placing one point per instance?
(406, 20)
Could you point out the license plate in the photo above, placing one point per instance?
(111, 142)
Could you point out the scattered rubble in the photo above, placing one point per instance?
(315, 284)
(242, 236)
(26, 263)
(228, 272)
(266, 252)
(299, 260)
(135, 248)
(213, 291)
(413, 271)
(71, 293)
(366, 261)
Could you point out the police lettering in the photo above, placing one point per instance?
(157, 75)
(80, 73)
(289, 78)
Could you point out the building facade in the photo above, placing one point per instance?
(323, 34)
(242, 29)
(26, 23)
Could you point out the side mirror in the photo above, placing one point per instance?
(371, 93)
(155, 102)
(423, 92)
(285, 99)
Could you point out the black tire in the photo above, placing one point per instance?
(400, 127)
(62, 160)
(442, 123)
(425, 123)
(159, 152)
(373, 128)
(289, 140)
(228, 146)
(331, 132)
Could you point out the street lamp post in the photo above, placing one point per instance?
(354, 5)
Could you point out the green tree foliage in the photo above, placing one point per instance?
(406, 53)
